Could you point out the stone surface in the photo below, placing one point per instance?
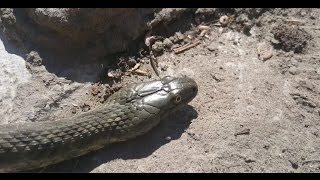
(13, 73)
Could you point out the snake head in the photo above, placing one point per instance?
(180, 90)
(166, 95)
(143, 105)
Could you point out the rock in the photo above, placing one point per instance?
(294, 62)
(7, 16)
(166, 15)
(158, 47)
(97, 30)
(171, 38)
(34, 58)
(206, 11)
(131, 62)
(242, 18)
(312, 16)
(213, 47)
(13, 72)
(178, 37)
(293, 70)
(167, 43)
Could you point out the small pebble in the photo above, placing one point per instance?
(294, 62)
(132, 62)
(180, 36)
(168, 138)
(157, 46)
(171, 38)
(73, 110)
(224, 20)
(293, 70)
(312, 16)
(167, 43)
(34, 58)
(212, 47)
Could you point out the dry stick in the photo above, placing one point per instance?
(204, 32)
(149, 41)
(152, 62)
(184, 48)
(245, 131)
(295, 21)
(202, 27)
(138, 71)
(135, 67)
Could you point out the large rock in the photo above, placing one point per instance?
(97, 31)
(13, 73)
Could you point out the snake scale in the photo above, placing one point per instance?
(130, 112)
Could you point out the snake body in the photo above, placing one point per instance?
(128, 113)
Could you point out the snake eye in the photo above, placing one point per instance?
(177, 99)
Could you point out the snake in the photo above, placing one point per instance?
(128, 113)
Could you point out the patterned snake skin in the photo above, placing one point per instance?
(128, 113)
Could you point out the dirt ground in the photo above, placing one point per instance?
(257, 109)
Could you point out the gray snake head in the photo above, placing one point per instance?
(167, 95)
(150, 102)
(164, 96)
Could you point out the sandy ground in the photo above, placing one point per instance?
(250, 115)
